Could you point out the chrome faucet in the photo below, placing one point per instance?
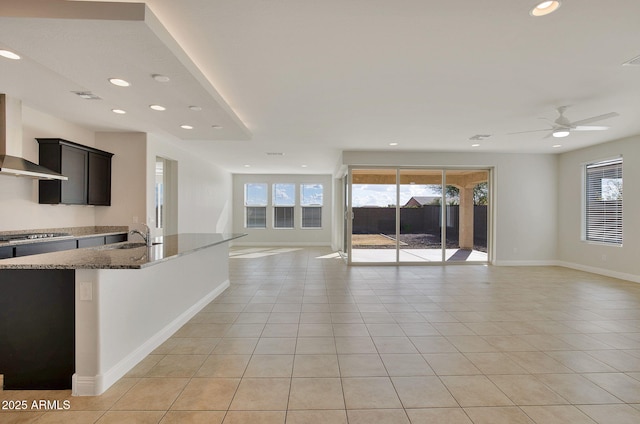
(146, 236)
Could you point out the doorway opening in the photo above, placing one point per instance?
(166, 199)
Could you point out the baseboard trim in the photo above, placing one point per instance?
(283, 244)
(96, 385)
(601, 271)
(525, 263)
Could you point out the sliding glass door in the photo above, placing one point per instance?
(417, 215)
(467, 197)
(420, 210)
(373, 212)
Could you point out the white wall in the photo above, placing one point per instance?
(525, 197)
(572, 251)
(155, 299)
(204, 189)
(20, 208)
(128, 178)
(282, 236)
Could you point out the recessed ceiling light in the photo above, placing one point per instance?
(195, 108)
(555, 146)
(393, 144)
(475, 145)
(158, 107)
(118, 111)
(186, 127)
(304, 166)
(216, 127)
(119, 82)
(9, 55)
(544, 8)
(560, 132)
(247, 166)
(161, 78)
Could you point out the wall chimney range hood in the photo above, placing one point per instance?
(11, 161)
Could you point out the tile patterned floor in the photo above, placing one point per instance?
(301, 338)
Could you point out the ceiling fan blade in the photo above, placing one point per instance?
(594, 119)
(532, 131)
(589, 128)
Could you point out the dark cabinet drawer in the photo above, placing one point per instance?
(37, 248)
(116, 238)
(6, 252)
(90, 242)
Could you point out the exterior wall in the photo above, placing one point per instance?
(417, 220)
(281, 236)
(524, 214)
(617, 261)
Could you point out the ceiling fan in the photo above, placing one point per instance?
(562, 127)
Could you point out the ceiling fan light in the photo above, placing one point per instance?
(119, 82)
(561, 132)
(9, 55)
(545, 8)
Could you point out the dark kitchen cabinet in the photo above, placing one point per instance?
(46, 247)
(116, 238)
(37, 319)
(88, 170)
(99, 189)
(6, 252)
(90, 242)
(101, 240)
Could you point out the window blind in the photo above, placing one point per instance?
(311, 217)
(603, 220)
(256, 217)
(283, 217)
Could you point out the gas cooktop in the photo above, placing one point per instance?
(31, 236)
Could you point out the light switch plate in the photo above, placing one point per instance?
(86, 291)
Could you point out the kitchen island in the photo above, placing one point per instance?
(90, 315)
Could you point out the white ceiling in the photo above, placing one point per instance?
(312, 78)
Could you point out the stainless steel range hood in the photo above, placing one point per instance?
(11, 160)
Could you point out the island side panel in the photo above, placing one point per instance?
(37, 325)
(133, 311)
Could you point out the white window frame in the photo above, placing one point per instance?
(283, 205)
(259, 205)
(602, 219)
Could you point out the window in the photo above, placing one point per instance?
(255, 202)
(603, 206)
(311, 202)
(284, 200)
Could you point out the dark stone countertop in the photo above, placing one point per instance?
(111, 257)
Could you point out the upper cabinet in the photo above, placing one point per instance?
(99, 188)
(88, 170)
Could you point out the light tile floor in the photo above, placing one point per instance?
(301, 338)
